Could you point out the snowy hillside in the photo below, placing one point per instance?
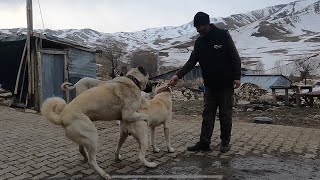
(281, 32)
(293, 31)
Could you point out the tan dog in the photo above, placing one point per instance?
(83, 85)
(159, 110)
(118, 99)
(88, 83)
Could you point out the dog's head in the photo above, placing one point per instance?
(141, 75)
(151, 86)
(162, 87)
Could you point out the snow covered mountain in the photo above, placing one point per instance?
(281, 32)
(290, 33)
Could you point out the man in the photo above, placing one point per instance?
(220, 64)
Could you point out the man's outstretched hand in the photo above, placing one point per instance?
(174, 80)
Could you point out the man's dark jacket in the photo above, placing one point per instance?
(218, 58)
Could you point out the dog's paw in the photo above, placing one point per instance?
(151, 165)
(156, 150)
(85, 160)
(106, 176)
(147, 121)
(118, 158)
(118, 122)
(171, 150)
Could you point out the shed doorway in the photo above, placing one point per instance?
(53, 74)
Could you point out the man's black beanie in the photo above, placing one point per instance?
(200, 19)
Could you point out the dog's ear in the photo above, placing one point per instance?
(148, 87)
(142, 70)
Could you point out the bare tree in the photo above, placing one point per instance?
(306, 66)
(259, 67)
(146, 59)
(278, 67)
(113, 53)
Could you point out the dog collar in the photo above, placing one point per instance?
(135, 80)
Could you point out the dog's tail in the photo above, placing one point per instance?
(67, 86)
(52, 108)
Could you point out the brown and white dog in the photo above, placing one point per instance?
(159, 110)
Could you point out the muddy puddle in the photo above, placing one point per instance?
(242, 168)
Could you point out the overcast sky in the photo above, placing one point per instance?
(120, 15)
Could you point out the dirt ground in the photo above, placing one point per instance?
(288, 116)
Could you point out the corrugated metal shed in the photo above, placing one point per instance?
(265, 81)
(53, 61)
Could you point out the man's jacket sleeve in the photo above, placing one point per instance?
(234, 57)
(189, 64)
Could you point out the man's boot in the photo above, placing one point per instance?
(199, 147)
(224, 148)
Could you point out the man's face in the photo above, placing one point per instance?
(202, 29)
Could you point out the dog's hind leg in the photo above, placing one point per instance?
(92, 151)
(141, 135)
(130, 115)
(84, 133)
(83, 153)
(122, 138)
(154, 146)
(166, 129)
(143, 144)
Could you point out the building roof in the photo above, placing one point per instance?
(266, 75)
(265, 81)
(64, 41)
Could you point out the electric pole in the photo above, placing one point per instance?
(29, 34)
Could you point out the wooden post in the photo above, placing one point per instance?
(39, 67)
(311, 101)
(19, 71)
(298, 99)
(286, 96)
(23, 79)
(274, 96)
(40, 76)
(36, 77)
(33, 57)
(29, 34)
(66, 76)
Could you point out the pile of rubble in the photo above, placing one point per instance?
(5, 97)
(187, 94)
(249, 92)
(250, 97)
